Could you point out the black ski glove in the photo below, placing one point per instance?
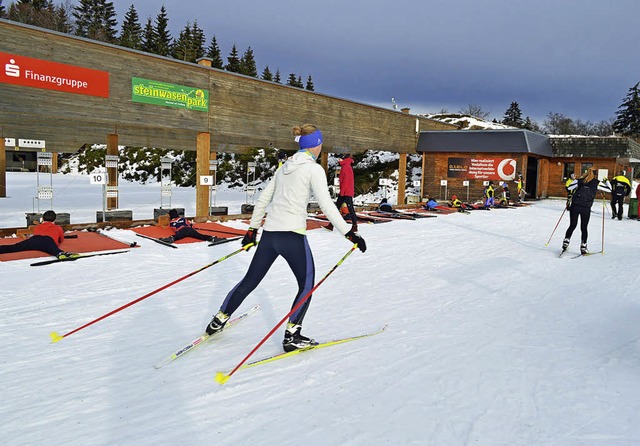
(354, 237)
(251, 237)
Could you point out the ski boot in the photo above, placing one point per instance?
(583, 249)
(293, 340)
(168, 239)
(565, 244)
(217, 323)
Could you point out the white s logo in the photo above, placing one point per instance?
(11, 69)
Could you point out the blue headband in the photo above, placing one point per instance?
(311, 140)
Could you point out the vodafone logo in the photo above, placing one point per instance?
(507, 169)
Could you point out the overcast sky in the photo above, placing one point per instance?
(575, 57)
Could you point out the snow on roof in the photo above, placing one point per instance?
(467, 122)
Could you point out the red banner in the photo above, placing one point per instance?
(38, 73)
(482, 168)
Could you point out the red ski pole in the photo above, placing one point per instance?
(222, 378)
(55, 337)
(554, 229)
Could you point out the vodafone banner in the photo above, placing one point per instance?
(38, 73)
(482, 168)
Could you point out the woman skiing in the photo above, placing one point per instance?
(287, 195)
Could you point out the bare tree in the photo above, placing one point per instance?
(475, 110)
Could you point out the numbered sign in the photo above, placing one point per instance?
(416, 183)
(206, 180)
(98, 178)
(443, 182)
(465, 183)
(485, 183)
(384, 182)
(9, 142)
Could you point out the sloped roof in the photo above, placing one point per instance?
(489, 141)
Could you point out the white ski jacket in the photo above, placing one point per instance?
(287, 195)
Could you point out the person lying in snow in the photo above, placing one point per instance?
(46, 238)
(184, 228)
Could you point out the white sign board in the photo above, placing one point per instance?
(336, 181)
(416, 183)
(98, 178)
(443, 182)
(31, 143)
(384, 182)
(206, 180)
(465, 183)
(9, 142)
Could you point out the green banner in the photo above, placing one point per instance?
(169, 95)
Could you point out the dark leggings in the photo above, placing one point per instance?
(295, 250)
(42, 243)
(349, 202)
(188, 231)
(617, 201)
(584, 215)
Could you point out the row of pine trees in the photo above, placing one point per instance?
(96, 19)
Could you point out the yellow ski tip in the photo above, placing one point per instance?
(222, 378)
(55, 337)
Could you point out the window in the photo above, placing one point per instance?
(569, 169)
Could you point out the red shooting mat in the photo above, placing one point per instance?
(208, 228)
(86, 242)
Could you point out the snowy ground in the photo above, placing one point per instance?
(492, 339)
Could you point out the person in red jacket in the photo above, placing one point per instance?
(46, 238)
(184, 228)
(347, 188)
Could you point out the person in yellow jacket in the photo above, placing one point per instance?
(620, 188)
(488, 195)
(520, 186)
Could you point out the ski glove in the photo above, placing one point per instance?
(250, 237)
(354, 237)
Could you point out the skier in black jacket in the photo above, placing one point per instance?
(620, 188)
(584, 192)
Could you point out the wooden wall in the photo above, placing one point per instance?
(243, 112)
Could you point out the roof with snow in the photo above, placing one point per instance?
(490, 141)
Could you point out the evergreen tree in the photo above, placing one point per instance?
(292, 81)
(149, 37)
(266, 74)
(162, 34)
(277, 79)
(248, 64)
(131, 32)
(310, 86)
(96, 19)
(513, 116)
(2, 11)
(41, 13)
(233, 62)
(299, 83)
(627, 122)
(181, 48)
(197, 41)
(214, 54)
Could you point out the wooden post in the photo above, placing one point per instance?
(324, 161)
(203, 150)
(112, 172)
(424, 169)
(3, 169)
(402, 177)
(54, 162)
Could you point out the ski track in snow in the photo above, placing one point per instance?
(492, 340)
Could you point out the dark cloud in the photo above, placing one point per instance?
(577, 57)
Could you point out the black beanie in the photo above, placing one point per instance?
(49, 216)
(173, 213)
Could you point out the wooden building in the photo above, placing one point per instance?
(465, 160)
